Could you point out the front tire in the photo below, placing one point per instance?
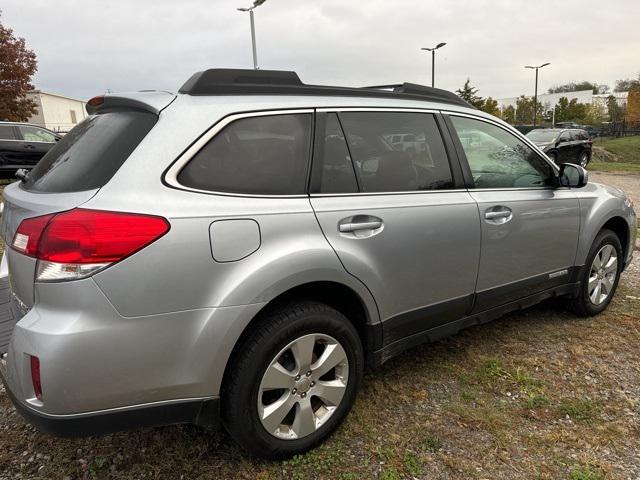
(600, 275)
(292, 380)
(553, 156)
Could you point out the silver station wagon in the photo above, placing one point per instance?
(238, 253)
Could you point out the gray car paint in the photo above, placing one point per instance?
(160, 325)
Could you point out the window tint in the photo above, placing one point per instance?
(91, 153)
(564, 137)
(7, 133)
(332, 157)
(395, 152)
(498, 159)
(259, 155)
(35, 134)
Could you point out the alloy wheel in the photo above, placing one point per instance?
(303, 386)
(584, 159)
(602, 276)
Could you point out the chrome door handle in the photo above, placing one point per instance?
(355, 226)
(497, 215)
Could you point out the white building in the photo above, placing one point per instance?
(550, 100)
(57, 112)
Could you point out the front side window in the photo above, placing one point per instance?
(397, 152)
(7, 133)
(498, 159)
(35, 134)
(265, 155)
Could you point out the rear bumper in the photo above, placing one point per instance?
(203, 412)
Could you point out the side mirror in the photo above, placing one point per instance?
(573, 176)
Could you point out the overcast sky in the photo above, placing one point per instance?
(85, 47)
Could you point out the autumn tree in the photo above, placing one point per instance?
(633, 104)
(470, 94)
(17, 66)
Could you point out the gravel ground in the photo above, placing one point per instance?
(537, 394)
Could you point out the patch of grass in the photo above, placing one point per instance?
(492, 368)
(579, 409)
(412, 464)
(389, 474)
(585, 472)
(431, 444)
(626, 149)
(535, 400)
(614, 167)
(468, 397)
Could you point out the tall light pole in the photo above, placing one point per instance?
(256, 3)
(535, 96)
(433, 61)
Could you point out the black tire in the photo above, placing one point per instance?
(584, 159)
(254, 354)
(582, 304)
(553, 156)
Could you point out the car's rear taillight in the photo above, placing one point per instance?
(79, 242)
(35, 377)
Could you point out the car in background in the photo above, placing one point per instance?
(563, 145)
(22, 145)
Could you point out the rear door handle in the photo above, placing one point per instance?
(29, 146)
(355, 226)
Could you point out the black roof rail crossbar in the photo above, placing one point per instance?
(222, 81)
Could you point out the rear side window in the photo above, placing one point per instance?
(35, 134)
(91, 153)
(397, 152)
(7, 133)
(265, 155)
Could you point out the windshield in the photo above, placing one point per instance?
(91, 153)
(543, 135)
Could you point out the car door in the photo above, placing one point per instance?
(36, 143)
(530, 227)
(564, 146)
(10, 147)
(400, 221)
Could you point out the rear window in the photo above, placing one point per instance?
(265, 155)
(91, 153)
(7, 132)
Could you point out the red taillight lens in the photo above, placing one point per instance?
(96, 101)
(76, 243)
(27, 235)
(95, 236)
(35, 377)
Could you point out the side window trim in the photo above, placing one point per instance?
(465, 161)
(170, 176)
(346, 141)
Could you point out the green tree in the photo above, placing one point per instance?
(17, 66)
(626, 85)
(571, 111)
(596, 114)
(470, 94)
(491, 107)
(615, 111)
(578, 86)
(509, 114)
(524, 110)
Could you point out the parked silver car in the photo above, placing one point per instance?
(242, 250)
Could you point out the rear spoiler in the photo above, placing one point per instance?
(151, 101)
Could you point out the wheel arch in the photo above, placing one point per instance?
(335, 294)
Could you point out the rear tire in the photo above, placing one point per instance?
(275, 403)
(600, 275)
(583, 159)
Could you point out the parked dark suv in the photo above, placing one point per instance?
(563, 145)
(22, 145)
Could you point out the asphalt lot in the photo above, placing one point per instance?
(537, 394)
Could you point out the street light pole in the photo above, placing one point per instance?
(433, 61)
(535, 96)
(256, 3)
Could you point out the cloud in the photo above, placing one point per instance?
(87, 47)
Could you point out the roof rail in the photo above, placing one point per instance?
(223, 81)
